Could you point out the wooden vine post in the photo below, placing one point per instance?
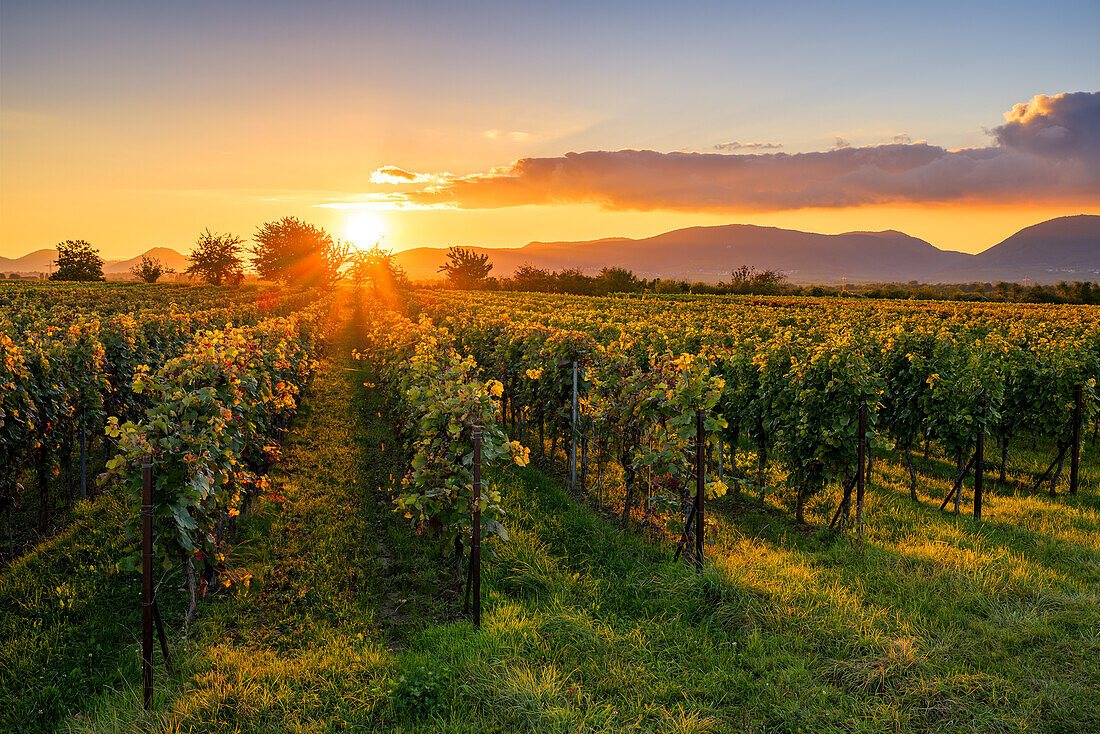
(861, 457)
(83, 458)
(573, 441)
(1075, 449)
(147, 582)
(584, 438)
(475, 547)
(700, 483)
(979, 471)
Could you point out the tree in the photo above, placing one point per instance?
(77, 260)
(217, 258)
(617, 280)
(529, 278)
(150, 269)
(293, 251)
(747, 279)
(466, 269)
(377, 267)
(573, 280)
(381, 266)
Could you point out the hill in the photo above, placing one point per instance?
(33, 262)
(710, 253)
(41, 261)
(1066, 248)
(169, 257)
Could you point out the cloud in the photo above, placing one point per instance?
(902, 139)
(514, 135)
(385, 202)
(395, 175)
(734, 145)
(1047, 149)
(1061, 127)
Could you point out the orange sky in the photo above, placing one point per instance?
(137, 125)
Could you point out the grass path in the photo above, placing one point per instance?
(303, 648)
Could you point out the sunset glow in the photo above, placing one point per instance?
(364, 229)
(563, 126)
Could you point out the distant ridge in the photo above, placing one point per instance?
(168, 257)
(33, 262)
(1065, 248)
(1042, 252)
(42, 261)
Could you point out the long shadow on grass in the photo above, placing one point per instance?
(70, 626)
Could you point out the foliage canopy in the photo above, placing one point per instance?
(465, 269)
(217, 258)
(293, 251)
(150, 269)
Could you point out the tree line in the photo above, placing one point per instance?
(292, 251)
(288, 251)
(465, 269)
(468, 270)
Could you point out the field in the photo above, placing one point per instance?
(342, 614)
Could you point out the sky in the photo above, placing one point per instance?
(134, 125)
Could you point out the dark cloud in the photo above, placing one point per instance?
(1063, 126)
(902, 139)
(1046, 150)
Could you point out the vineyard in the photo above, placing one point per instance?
(529, 512)
(198, 383)
(69, 356)
(787, 378)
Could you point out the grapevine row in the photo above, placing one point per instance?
(63, 371)
(438, 400)
(210, 430)
(794, 372)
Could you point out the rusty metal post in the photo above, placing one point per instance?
(700, 484)
(147, 582)
(475, 547)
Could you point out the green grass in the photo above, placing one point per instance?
(70, 626)
(351, 622)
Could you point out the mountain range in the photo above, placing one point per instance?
(1066, 248)
(42, 261)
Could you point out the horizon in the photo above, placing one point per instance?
(135, 126)
(184, 252)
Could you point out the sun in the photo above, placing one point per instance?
(364, 230)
